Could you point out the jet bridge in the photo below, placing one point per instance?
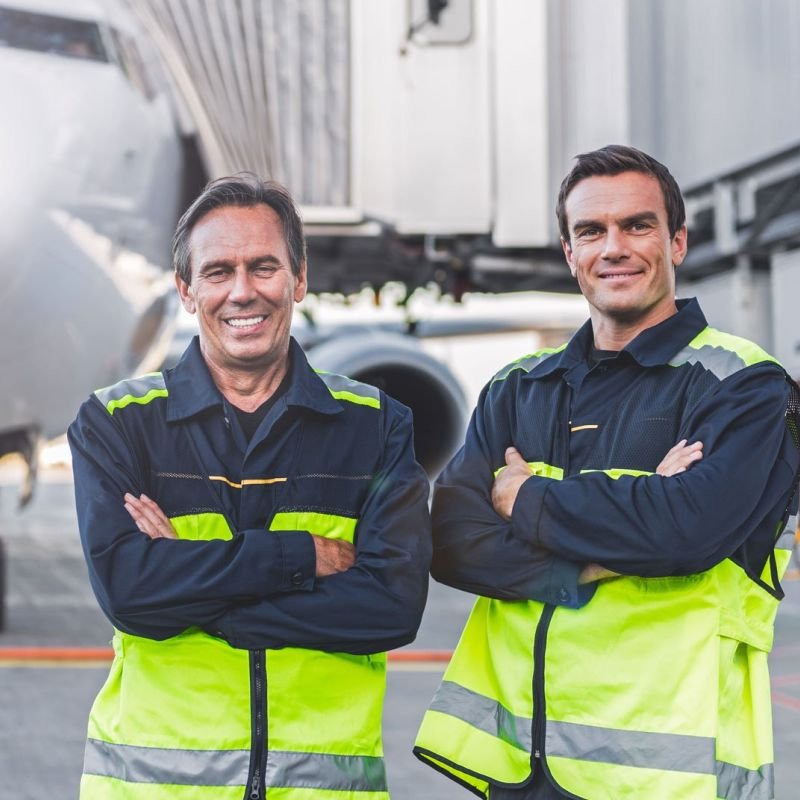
(744, 252)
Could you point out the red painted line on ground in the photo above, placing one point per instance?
(787, 701)
(106, 654)
(420, 655)
(785, 680)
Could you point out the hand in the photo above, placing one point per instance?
(333, 555)
(149, 518)
(680, 458)
(506, 484)
(594, 572)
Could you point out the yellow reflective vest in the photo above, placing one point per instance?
(184, 713)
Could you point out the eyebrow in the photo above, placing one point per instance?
(642, 216)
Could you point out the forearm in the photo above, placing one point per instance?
(352, 612)
(656, 526)
(160, 587)
(478, 551)
(375, 605)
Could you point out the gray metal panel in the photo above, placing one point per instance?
(714, 84)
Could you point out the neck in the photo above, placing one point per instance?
(247, 388)
(616, 333)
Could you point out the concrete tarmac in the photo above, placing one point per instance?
(44, 705)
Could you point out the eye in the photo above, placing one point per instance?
(215, 275)
(588, 233)
(639, 227)
(265, 270)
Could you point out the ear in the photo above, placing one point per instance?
(565, 246)
(301, 283)
(186, 294)
(679, 245)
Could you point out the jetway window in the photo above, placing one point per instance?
(45, 33)
(439, 22)
(132, 63)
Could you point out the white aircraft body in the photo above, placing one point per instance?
(90, 166)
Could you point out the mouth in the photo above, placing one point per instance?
(619, 274)
(244, 323)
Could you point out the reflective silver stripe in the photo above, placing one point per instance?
(132, 390)
(527, 363)
(723, 363)
(670, 751)
(483, 713)
(230, 767)
(343, 388)
(738, 783)
(325, 771)
(165, 765)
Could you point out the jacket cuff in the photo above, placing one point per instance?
(528, 509)
(296, 562)
(564, 586)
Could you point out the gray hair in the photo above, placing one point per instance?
(243, 189)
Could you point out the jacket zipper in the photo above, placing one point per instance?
(540, 637)
(258, 677)
(539, 644)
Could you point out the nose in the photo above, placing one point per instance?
(242, 289)
(614, 245)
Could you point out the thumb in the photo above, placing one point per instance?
(513, 458)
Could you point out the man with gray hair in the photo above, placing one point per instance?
(257, 532)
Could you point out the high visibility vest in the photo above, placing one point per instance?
(656, 689)
(182, 718)
(690, 719)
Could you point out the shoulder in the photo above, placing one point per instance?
(139, 391)
(526, 364)
(723, 354)
(351, 393)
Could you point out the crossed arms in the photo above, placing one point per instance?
(536, 537)
(361, 601)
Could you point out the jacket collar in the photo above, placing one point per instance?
(193, 391)
(653, 347)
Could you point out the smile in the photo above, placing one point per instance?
(620, 275)
(244, 322)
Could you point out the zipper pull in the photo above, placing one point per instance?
(255, 791)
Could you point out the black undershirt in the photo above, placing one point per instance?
(250, 420)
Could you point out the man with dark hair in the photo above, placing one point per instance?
(618, 648)
(257, 533)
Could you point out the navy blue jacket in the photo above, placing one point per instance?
(182, 446)
(624, 413)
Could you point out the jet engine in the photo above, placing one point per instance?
(399, 366)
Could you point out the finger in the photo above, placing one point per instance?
(513, 458)
(158, 518)
(156, 525)
(154, 507)
(141, 523)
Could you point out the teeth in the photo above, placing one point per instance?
(245, 323)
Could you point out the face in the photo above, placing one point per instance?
(620, 250)
(242, 289)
